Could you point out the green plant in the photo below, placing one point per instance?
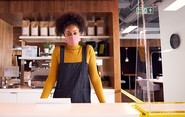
(48, 45)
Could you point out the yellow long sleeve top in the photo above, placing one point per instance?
(74, 54)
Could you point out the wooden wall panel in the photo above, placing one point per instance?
(116, 52)
(133, 42)
(4, 6)
(6, 41)
(154, 42)
(17, 31)
(14, 19)
(26, 6)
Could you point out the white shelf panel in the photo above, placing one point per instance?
(39, 37)
(94, 37)
(58, 39)
(49, 58)
(36, 58)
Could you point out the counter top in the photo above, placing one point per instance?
(21, 89)
(68, 110)
(39, 90)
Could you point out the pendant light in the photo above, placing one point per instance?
(126, 58)
(159, 59)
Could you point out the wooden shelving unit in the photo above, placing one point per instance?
(101, 8)
(53, 39)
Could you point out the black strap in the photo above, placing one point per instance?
(61, 54)
(83, 53)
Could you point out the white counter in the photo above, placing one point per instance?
(30, 90)
(28, 95)
(22, 90)
(68, 110)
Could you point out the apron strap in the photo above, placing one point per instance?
(61, 54)
(83, 53)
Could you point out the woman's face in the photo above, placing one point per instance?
(71, 30)
(72, 35)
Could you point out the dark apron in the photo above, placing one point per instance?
(73, 80)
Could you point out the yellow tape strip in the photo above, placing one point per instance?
(131, 96)
(176, 113)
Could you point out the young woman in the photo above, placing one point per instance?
(73, 66)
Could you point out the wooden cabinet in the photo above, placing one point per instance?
(109, 96)
(8, 97)
(19, 95)
(28, 97)
(104, 39)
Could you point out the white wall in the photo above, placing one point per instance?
(173, 62)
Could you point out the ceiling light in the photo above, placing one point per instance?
(176, 5)
(129, 29)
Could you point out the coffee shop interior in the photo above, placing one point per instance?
(138, 45)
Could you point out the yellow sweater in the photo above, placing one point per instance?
(74, 54)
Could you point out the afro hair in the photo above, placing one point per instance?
(67, 19)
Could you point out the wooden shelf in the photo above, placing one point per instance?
(49, 58)
(58, 39)
(36, 58)
(41, 39)
(102, 57)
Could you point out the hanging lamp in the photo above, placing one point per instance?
(159, 59)
(126, 58)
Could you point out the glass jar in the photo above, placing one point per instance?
(3, 82)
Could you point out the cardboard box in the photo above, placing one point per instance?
(91, 28)
(100, 28)
(52, 28)
(34, 28)
(25, 28)
(29, 51)
(43, 28)
(11, 71)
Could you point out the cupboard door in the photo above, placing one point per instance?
(108, 93)
(6, 41)
(8, 97)
(28, 97)
(94, 98)
(109, 96)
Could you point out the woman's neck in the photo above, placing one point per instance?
(72, 47)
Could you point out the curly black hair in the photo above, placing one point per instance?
(67, 19)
